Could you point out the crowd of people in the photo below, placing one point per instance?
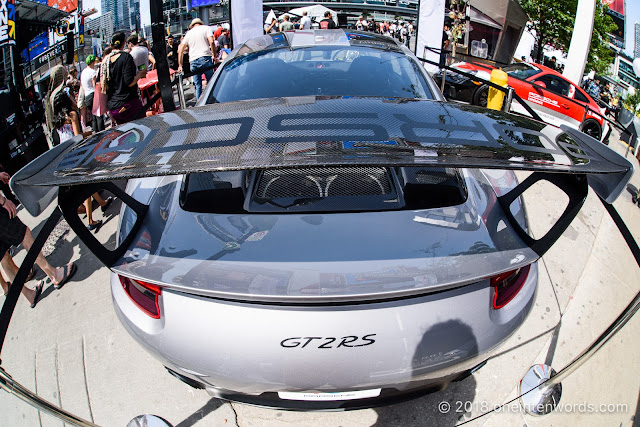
(402, 31)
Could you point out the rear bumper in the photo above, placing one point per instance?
(250, 352)
(387, 396)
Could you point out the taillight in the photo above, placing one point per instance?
(507, 285)
(144, 295)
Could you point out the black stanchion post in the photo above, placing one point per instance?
(160, 53)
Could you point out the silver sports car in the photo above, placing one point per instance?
(322, 231)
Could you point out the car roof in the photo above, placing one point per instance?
(554, 72)
(311, 38)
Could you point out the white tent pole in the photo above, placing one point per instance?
(580, 41)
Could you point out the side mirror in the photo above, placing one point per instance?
(540, 83)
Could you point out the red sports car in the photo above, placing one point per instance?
(556, 99)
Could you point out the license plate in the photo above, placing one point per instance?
(341, 395)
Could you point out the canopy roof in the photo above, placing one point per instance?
(315, 12)
(39, 13)
(33, 18)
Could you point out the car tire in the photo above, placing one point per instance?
(592, 128)
(480, 96)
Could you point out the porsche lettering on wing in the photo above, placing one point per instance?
(328, 342)
(243, 132)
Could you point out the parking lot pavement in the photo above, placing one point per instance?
(72, 350)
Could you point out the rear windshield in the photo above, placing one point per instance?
(320, 71)
(521, 71)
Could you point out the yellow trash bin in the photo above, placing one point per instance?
(495, 96)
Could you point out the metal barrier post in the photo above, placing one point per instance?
(159, 51)
(541, 388)
(12, 387)
(506, 107)
(183, 104)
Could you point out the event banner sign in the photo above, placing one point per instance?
(7, 22)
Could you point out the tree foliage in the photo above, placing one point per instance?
(553, 21)
(632, 102)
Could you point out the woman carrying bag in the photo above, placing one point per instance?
(118, 79)
(62, 117)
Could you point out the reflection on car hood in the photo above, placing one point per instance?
(324, 257)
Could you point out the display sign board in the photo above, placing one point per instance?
(7, 22)
(58, 49)
(65, 25)
(200, 3)
(65, 5)
(37, 46)
(616, 11)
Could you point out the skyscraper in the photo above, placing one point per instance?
(120, 10)
(636, 46)
(134, 13)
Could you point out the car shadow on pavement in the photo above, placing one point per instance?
(443, 408)
(198, 415)
(442, 346)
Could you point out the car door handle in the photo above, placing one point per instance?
(565, 106)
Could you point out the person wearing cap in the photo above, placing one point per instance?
(199, 40)
(88, 82)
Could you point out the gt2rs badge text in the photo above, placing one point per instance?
(328, 342)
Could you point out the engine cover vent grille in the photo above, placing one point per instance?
(323, 182)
